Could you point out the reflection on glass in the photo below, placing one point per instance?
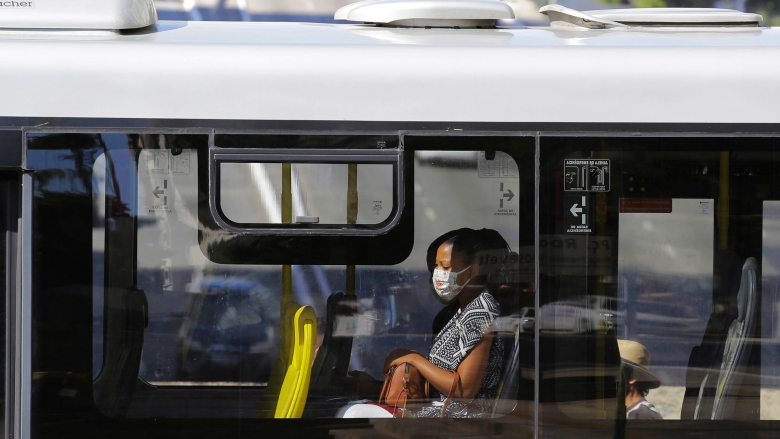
(770, 312)
(215, 326)
(98, 258)
(662, 282)
(665, 276)
(252, 192)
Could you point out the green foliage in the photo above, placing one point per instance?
(769, 19)
(767, 8)
(650, 3)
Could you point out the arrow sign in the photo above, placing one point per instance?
(508, 194)
(578, 207)
(157, 192)
(575, 209)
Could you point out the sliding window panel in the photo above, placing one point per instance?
(657, 285)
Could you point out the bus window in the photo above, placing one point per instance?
(352, 197)
(175, 334)
(320, 192)
(656, 279)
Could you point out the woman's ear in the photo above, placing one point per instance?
(474, 270)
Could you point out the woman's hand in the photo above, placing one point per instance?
(471, 370)
(392, 356)
(411, 358)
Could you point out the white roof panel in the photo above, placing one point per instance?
(284, 71)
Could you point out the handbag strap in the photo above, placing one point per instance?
(405, 394)
(455, 381)
(386, 385)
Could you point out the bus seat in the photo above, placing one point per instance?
(702, 373)
(295, 388)
(332, 360)
(704, 399)
(506, 399)
(705, 359)
(737, 349)
(283, 360)
(331, 363)
(517, 379)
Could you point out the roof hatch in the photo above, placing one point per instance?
(649, 17)
(427, 13)
(77, 14)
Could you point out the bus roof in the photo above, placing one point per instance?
(322, 72)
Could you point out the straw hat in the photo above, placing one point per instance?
(635, 356)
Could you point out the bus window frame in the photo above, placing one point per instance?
(217, 156)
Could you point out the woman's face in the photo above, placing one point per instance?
(448, 260)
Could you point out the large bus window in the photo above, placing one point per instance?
(174, 334)
(657, 279)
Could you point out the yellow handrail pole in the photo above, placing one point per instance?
(286, 313)
(723, 203)
(352, 212)
(286, 219)
(287, 297)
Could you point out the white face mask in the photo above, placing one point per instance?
(446, 283)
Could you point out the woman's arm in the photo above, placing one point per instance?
(471, 370)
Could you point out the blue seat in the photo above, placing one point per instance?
(721, 389)
(738, 347)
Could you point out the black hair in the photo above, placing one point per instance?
(430, 255)
(487, 248)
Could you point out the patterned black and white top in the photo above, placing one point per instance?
(458, 337)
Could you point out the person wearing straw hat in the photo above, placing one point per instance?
(639, 380)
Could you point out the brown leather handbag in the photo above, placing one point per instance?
(404, 383)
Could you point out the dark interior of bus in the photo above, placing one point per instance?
(158, 339)
(146, 310)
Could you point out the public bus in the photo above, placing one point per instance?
(209, 226)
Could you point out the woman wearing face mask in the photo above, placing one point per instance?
(469, 267)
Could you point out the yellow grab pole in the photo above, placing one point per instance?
(284, 324)
(352, 195)
(723, 203)
(352, 212)
(286, 219)
(287, 311)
